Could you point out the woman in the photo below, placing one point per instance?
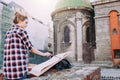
(16, 48)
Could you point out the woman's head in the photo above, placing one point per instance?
(20, 20)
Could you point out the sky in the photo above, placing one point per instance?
(40, 9)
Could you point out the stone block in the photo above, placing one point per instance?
(79, 73)
(89, 73)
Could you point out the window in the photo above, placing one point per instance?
(66, 34)
(117, 54)
(114, 31)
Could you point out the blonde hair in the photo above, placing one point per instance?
(19, 17)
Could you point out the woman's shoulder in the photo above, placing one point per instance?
(19, 29)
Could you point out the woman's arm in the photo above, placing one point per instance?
(35, 51)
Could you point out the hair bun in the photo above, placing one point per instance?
(20, 12)
(19, 15)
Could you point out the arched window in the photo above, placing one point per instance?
(66, 34)
(114, 31)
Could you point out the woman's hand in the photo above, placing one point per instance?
(47, 54)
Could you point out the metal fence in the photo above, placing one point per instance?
(110, 74)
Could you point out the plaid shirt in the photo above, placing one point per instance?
(16, 49)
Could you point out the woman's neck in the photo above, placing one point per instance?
(19, 25)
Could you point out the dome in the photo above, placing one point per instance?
(73, 3)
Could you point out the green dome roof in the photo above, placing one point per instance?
(72, 3)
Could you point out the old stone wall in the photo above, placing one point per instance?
(102, 25)
(77, 21)
(62, 20)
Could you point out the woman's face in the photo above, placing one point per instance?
(24, 23)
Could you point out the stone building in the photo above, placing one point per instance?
(107, 22)
(73, 29)
(84, 29)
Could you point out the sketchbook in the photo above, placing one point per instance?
(43, 67)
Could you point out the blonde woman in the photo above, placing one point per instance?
(16, 48)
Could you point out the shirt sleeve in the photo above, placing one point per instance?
(25, 39)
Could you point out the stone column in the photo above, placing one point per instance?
(79, 37)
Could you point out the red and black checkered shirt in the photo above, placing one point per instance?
(16, 49)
